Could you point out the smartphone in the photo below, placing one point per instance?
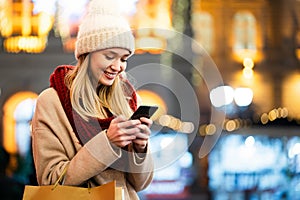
(144, 111)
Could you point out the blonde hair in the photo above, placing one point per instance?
(87, 102)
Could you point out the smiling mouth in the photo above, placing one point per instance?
(110, 75)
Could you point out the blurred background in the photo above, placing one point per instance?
(255, 45)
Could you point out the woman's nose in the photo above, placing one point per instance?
(117, 65)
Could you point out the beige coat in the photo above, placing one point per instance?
(55, 146)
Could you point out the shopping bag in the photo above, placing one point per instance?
(107, 191)
(57, 191)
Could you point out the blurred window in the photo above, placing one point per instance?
(244, 27)
(202, 23)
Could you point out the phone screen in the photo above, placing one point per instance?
(144, 111)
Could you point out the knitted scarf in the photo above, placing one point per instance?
(84, 130)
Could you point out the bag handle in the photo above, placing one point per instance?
(60, 178)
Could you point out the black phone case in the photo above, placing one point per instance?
(144, 111)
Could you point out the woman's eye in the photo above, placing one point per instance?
(109, 57)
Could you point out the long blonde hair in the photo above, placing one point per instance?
(87, 102)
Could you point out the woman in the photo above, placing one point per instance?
(81, 121)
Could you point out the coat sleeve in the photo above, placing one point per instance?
(141, 167)
(55, 145)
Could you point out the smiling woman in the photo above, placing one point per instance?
(81, 120)
(107, 64)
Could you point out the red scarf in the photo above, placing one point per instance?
(84, 130)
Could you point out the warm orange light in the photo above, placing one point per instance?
(264, 118)
(6, 26)
(230, 125)
(298, 53)
(241, 54)
(22, 30)
(291, 94)
(150, 23)
(151, 98)
(259, 84)
(29, 44)
(247, 72)
(153, 14)
(153, 45)
(210, 129)
(248, 62)
(69, 44)
(9, 140)
(176, 124)
(26, 17)
(273, 115)
(45, 23)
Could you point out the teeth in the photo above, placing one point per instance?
(109, 74)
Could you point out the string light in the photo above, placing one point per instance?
(24, 30)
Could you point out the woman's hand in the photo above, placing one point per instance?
(122, 132)
(142, 137)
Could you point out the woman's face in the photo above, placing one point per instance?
(107, 64)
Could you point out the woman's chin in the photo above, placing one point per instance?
(107, 82)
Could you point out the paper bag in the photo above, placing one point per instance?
(107, 191)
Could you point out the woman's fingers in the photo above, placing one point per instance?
(128, 124)
(142, 137)
(123, 140)
(122, 132)
(146, 121)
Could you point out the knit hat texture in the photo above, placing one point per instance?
(103, 27)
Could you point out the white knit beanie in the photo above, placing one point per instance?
(103, 27)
